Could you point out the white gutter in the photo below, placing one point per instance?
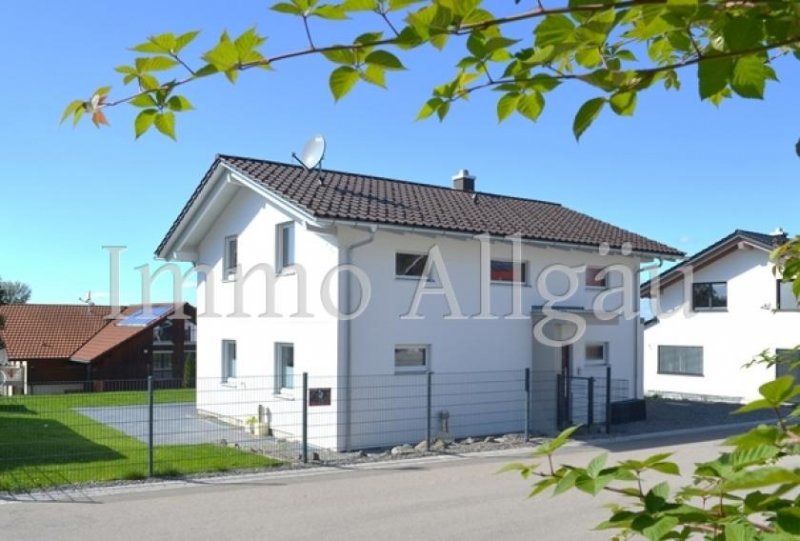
(348, 334)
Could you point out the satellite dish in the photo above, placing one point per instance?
(313, 154)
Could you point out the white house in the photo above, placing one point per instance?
(716, 311)
(325, 274)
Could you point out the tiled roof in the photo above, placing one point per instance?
(64, 331)
(49, 331)
(376, 200)
(763, 240)
(115, 334)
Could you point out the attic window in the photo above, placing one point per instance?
(410, 265)
(594, 278)
(710, 296)
(503, 271)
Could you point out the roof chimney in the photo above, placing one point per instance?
(463, 181)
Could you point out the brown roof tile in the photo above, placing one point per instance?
(370, 199)
(49, 331)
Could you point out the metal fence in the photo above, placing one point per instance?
(587, 400)
(136, 429)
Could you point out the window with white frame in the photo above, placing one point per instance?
(284, 368)
(503, 271)
(231, 257)
(284, 246)
(411, 358)
(596, 352)
(595, 277)
(228, 360)
(408, 265)
(680, 360)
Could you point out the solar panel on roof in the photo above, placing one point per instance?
(144, 316)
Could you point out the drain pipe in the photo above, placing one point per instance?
(348, 334)
(639, 351)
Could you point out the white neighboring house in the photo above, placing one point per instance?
(719, 309)
(262, 217)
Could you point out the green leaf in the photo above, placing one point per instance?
(375, 75)
(341, 56)
(586, 115)
(185, 39)
(360, 5)
(144, 100)
(682, 7)
(778, 390)
(753, 455)
(554, 30)
(430, 107)
(759, 478)
(788, 519)
(743, 32)
(531, 105)
(285, 7)
(179, 103)
(506, 105)
(385, 60)
(342, 81)
(660, 528)
(70, 109)
(669, 468)
(589, 57)
(749, 78)
(154, 63)
(596, 465)
(165, 123)
(740, 532)
(224, 55)
(143, 121)
(713, 76)
(330, 12)
(755, 405)
(623, 103)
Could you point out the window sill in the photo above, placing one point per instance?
(411, 372)
(285, 395)
(286, 271)
(597, 288)
(702, 310)
(507, 283)
(680, 374)
(413, 279)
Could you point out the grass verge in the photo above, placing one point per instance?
(44, 443)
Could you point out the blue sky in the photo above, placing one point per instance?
(679, 171)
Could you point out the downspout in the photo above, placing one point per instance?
(348, 258)
(640, 352)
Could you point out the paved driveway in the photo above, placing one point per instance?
(173, 424)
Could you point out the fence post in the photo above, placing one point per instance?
(608, 399)
(590, 413)
(150, 465)
(527, 403)
(429, 412)
(305, 417)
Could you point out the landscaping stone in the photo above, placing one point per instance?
(421, 447)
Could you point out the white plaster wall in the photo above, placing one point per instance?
(314, 337)
(731, 338)
(495, 351)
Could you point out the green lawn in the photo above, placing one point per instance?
(43, 442)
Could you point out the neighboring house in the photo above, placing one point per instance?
(251, 218)
(64, 348)
(718, 310)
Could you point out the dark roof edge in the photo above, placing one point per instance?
(748, 236)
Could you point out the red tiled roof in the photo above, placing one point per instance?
(49, 331)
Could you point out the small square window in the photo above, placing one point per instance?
(680, 360)
(284, 244)
(412, 265)
(597, 352)
(411, 358)
(503, 271)
(231, 258)
(710, 296)
(284, 368)
(228, 360)
(595, 277)
(786, 299)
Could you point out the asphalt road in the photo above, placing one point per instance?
(441, 498)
